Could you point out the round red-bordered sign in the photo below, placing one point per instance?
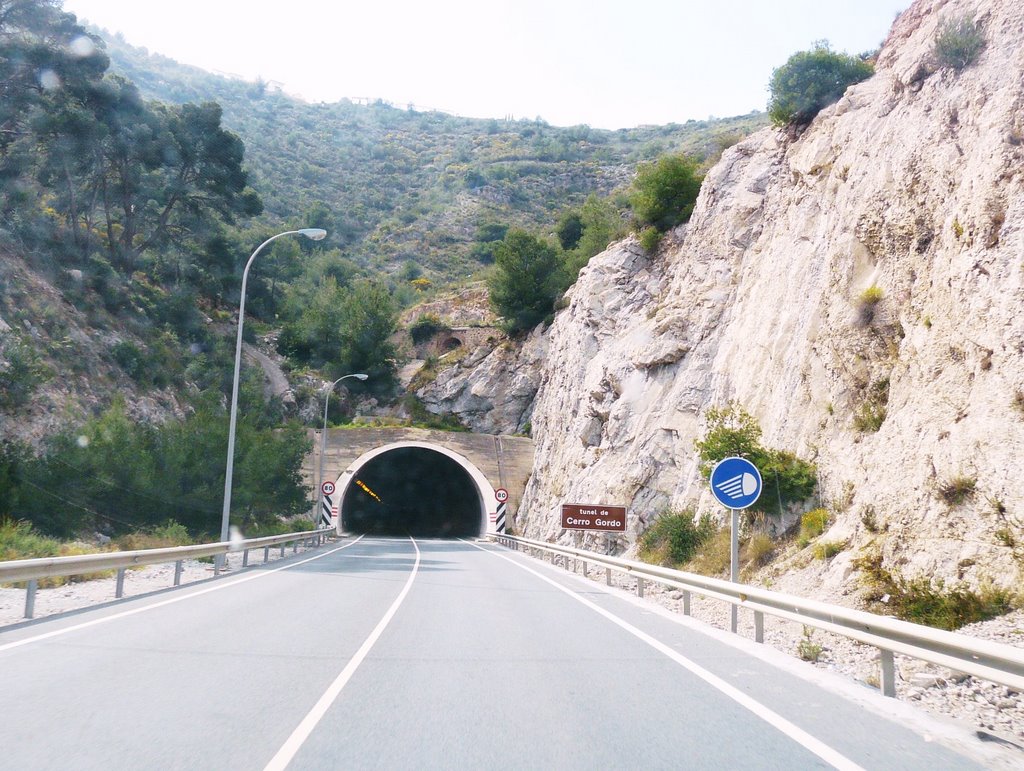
(501, 495)
(327, 487)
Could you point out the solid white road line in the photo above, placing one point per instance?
(294, 742)
(124, 614)
(774, 719)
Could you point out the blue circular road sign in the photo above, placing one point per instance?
(735, 482)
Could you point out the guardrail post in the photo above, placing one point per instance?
(282, 550)
(584, 568)
(295, 547)
(266, 554)
(119, 593)
(608, 576)
(177, 573)
(639, 586)
(758, 626)
(686, 603)
(888, 672)
(245, 558)
(30, 598)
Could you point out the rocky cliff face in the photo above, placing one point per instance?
(911, 183)
(491, 390)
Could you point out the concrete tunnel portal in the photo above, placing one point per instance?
(414, 488)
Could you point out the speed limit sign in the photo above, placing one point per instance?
(501, 495)
(327, 488)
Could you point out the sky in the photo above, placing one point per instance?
(607, 64)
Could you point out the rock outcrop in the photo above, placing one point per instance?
(491, 390)
(911, 185)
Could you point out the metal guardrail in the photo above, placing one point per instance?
(993, 661)
(31, 570)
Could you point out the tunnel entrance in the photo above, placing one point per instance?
(412, 489)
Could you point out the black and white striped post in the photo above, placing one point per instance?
(326, 503)
(501, 496)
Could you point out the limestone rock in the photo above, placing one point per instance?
(493, 388)
(912, 184)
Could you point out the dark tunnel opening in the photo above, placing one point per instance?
(412, 491)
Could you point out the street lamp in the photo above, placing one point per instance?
(316, 234)
(323, 438)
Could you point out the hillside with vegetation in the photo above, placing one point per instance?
(132, 191)
(394, 186)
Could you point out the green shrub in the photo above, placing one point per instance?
(19, 540)
(425, 327)
(665, 191)
(731, 430)
(958, 489)
(130, 359)
(958, 43)
(162, 536)
(807, 649)
(873, 295)
(649, 239)
(874, 409)
(675, 537)
(424, 418)
(811, 80)
(21, 374)
(528, 278)
(867, 304)
(924, 601)
(825, 550)
(813, 524)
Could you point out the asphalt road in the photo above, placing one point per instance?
(392, 654)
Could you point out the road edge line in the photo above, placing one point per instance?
(800, 736)
(170, 601)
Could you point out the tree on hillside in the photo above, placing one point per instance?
(569, 229)
(600, 225)
(369, 318)
(811, 80)
(527, 279)
(117, 475)
(665, 191)
(345, 329)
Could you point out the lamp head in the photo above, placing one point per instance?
(360, 376)
(316, 234)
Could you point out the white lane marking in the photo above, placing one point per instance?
(794, 732)
(124, 614)
(294, 742)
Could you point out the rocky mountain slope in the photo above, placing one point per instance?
(910, 187)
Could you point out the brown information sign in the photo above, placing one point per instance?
(594, 516)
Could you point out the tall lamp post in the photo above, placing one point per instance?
(323, 439)
(316, 234)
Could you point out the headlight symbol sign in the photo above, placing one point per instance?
(736, 483)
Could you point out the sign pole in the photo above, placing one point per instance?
(734, 563)
(736, 484)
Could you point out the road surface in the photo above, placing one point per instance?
(393, 654)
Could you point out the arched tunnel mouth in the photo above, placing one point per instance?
(412, 491)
